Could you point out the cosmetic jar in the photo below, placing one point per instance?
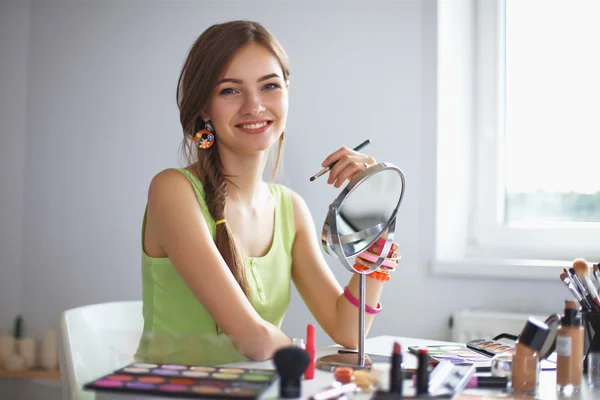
(593, 364)
(502, 365)
(525, 370)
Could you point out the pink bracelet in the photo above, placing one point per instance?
(354, 301)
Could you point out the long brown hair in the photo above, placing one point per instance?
(205, 63)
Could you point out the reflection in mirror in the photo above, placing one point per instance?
(367, 210)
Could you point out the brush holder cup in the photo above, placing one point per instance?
(591, 337)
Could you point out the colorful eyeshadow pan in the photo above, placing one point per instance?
(204, 369)
(122, 378)
(108, 383)
(173, 388)
(206, 389)
(164, 372)
(232, 371)
(250, 377)
(140, 385)
(186, 381)
(151, 379)
(180, 381)
(136, 370)
(175, 367)
(225, 376)
(144, 365)
(195, 374)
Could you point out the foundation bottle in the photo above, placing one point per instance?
(525, 360)
(569, 348)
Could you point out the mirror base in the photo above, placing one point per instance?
(329, 362)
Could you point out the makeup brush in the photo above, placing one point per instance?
(327, 168)
(583, 272)
(582, 289)
(564, 277)
(290, 363)
(596, 275)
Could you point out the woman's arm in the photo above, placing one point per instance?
(184, 235)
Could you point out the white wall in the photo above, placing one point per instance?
(14, 39)
(102, 120)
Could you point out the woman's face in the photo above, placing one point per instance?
(249, 106)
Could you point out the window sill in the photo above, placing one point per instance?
(500, 268)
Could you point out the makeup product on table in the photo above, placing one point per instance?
(335, 392)
(290, 363)
(396, 375)
(185, 381)
(343, 374)
(487, 382)
(379, 375)
(455, 354)
(361, 379)
(525, 361)
(327, 168)
(439, 381)
(422, 385)
(502, 365)
(311, 349)
(593, 369)
(569, 346)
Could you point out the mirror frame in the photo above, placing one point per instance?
(332, 242)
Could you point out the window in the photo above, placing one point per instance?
(529, 83)
(537, 129)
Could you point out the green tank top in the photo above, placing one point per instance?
(178, 329)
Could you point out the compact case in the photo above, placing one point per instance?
(176, 380)
(479, 352)
(505, 342)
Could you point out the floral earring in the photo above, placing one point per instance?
(205, 138)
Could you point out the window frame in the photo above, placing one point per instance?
(470, 238)
(489, 235)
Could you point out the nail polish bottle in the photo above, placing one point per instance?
(569, 348)
(525, 360)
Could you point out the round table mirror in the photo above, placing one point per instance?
(364, 212)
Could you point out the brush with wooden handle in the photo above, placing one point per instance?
(583, 273)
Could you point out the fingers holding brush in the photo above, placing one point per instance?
(347, 163)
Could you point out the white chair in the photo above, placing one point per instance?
(96, 340)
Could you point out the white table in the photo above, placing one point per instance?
(382, 345)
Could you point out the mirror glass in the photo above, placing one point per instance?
(367, 208)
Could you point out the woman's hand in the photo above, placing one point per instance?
(349, 163)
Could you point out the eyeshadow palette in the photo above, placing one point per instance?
(477, 352)
(491, 347)
(186, 381)
(456, 354)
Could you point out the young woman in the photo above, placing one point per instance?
(220, 245)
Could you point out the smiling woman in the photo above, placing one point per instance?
(220, 246)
